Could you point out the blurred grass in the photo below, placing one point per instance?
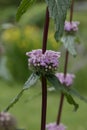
(28, 112)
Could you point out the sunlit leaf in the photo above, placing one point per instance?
(23, 7)
(58, 10)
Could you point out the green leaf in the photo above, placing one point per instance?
(71, 101)
(54, 81)
(23, 7)
(58, 10)
(68, 91)
(74, 92)
(69, 42)
(31, 81)
(14, 100)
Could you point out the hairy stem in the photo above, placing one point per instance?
(44, 81)
(65, 71)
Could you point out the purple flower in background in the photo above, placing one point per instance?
(44, 63)
(71, 26)
(7, 121)
(67, 80)
(54, 126)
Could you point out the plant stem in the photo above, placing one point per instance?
(44, 102)
(62, 95)
(65, 71)
(60, 109)
(45, 33)
(66, 63)
(71, 10)
(44, 81)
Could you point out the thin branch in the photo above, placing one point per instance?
(62, 95)
(65, 71)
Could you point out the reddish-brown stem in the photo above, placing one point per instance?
(60, 108)
(65, 72)
(66, 63)
(71, 10)
(62, 95)
(44, 102)
(44, 81)
(45, 33)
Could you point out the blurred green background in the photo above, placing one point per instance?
(16, 38)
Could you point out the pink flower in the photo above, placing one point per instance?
(7, 121)
(67, 80)
(44, 63)
(71, 26)
(54, 126)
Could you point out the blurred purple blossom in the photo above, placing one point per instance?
(7, 121)
(67, 80)
(54, 126)
(71, 26)
(47, 62)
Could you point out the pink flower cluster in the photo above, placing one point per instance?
(54, 126)
(67, 80)
(7, 121)
(71, 26)
(44, 63)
